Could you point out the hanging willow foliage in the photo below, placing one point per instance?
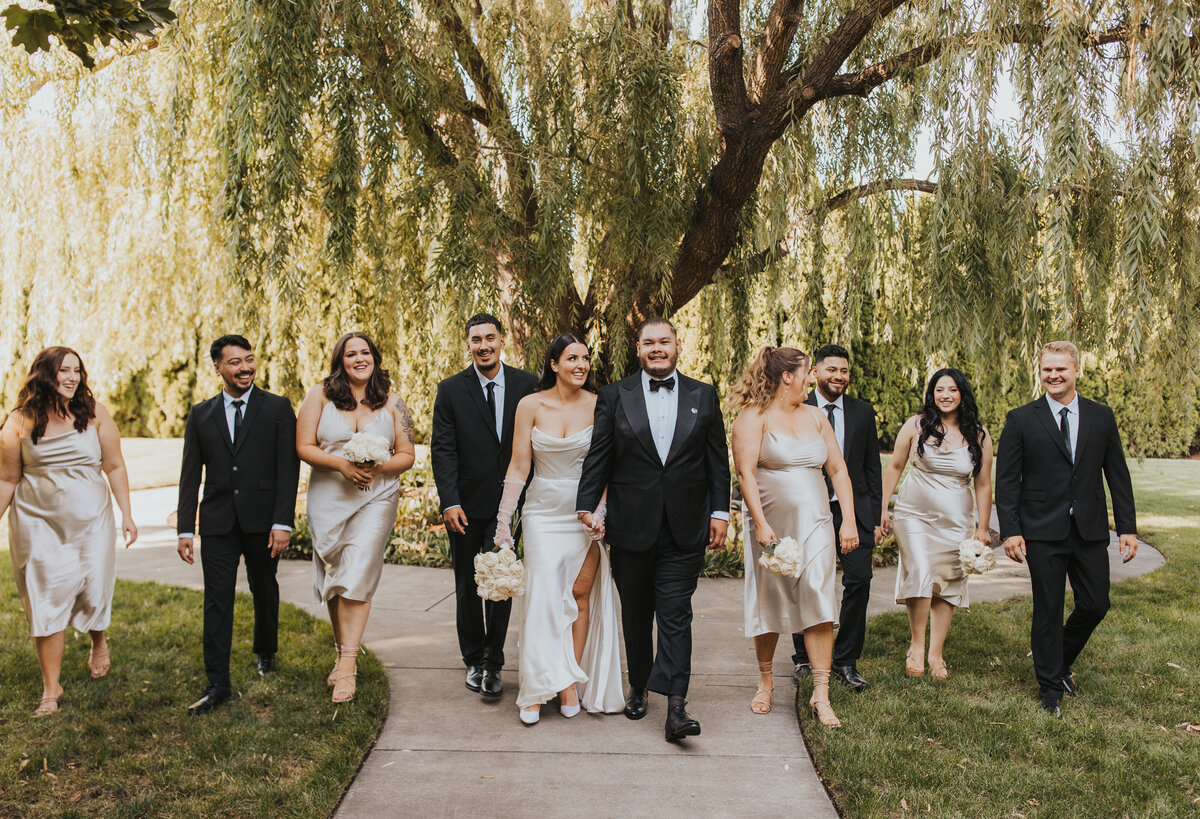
(396, 165)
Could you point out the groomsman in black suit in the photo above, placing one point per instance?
(853, 423)
(659, 448)
(244, 442)
(1050, 501)
(471, 446)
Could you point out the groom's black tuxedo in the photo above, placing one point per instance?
(1056, 503)
(861, 451)
(469, 461)
(658, 518)
(249, 488)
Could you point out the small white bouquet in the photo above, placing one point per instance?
(499, 575)
(365, 448)
(782, 557)
(975, 556)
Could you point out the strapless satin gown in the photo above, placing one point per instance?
(350, 527)
(934, 513)
(556, 545)
(795, 501)
(61, 534)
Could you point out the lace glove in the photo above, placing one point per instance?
(508, 505)
(597, 530)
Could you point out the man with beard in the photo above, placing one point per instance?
(658, 446)
(853, 423)
(244, 441)
(471, 446)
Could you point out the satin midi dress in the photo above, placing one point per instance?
(350, 527)
(934, 514)
(62, 535)
(795, 502)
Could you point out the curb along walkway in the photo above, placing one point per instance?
(445, 752)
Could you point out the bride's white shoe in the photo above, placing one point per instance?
(569, 711)
(531, 716)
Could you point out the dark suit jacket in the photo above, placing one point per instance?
(862, 458)
(1037, 484)
(468, 460)
(252, 484)
(688, 488)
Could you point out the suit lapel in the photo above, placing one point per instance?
(218, 416)
(1046, 415)
(633, 402)
(685, 415)
(1086, 425)
(475, 391)
(253, 400)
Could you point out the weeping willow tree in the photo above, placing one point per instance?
(742, 165)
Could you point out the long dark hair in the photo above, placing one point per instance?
(968, 417)
(39, 396)
(337, 383)
(548, 377)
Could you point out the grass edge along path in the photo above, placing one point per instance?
(125, 745)
(977, 745)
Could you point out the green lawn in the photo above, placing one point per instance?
(977, 746)
(125, 746)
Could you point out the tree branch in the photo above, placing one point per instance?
(767, 74)
(725, 78)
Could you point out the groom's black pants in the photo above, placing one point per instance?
(482, 624)
(657, 584)
(219, 558)
(856, 594)
(1055, 645)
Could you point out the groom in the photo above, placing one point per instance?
(244, 442)
(470, 449)
(1050, 502)
(659, 447)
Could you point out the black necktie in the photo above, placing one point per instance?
(829, 408)
(491, 400)
(665, 383)
(237, 418)
(1065, 427)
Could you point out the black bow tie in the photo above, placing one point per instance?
(663, 383)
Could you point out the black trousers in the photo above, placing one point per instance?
(219, 556)
(656, 585)
(856, 593)
(1055, 645)
(482, 624)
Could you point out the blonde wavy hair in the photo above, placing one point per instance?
(762, 378)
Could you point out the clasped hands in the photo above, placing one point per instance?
(360, 475)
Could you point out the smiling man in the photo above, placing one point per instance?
(1050, 502)
(471, 445)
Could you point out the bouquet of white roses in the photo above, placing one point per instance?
(499, 575)
(365, 448)
(975, 556)
(782, 557)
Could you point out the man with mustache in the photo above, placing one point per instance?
(244, 441)
(658, 447)
(471, 446)
(1050, 502)
(853, 423)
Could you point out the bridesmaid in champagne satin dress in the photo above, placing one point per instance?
(351, 507)
(55, 450)
(944, 500)
(780, 447)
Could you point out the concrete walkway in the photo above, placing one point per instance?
(445, 752)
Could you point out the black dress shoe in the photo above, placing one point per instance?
(474, 677)
(491, 686)
(1051, 707)
(803, 670)
(680, 725)
(266, 664)
(210, 699)
(849, 675)
(635, 704)
(1068, 684)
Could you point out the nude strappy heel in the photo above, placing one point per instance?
(337, 649)
(821, 709)
(761, 704)
(345, 686)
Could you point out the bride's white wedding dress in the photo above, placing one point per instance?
(556, 545)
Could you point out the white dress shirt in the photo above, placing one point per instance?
(1072, 419)
(498, 392)
(839, 423)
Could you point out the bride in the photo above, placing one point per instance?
(569, 644)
